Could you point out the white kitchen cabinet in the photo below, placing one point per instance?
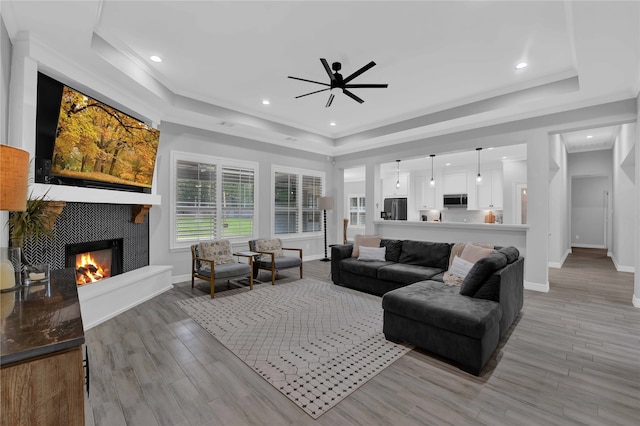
(426, 195)
(389, 188)
(490, 191)
(455, 183)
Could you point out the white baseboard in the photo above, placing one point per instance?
(636, 301)
(621, 268)
(595, 246)
(175, 279)
(544, 288)
(104, 300)
(559, 264)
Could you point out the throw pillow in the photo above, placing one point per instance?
(364, 241)
(473, 252)
(460, 267)
(372, 253)
(270, 246)
(394, 247)
(217, 250)
(480, 272)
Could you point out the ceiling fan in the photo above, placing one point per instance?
(336, 81)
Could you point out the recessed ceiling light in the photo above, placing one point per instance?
(447, 164)
(155, 58)
(589, 136)
(490, 148)
(521, 65)
(333, 123)
(266, 102)
(504, 158)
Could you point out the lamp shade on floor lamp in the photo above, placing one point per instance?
(325, 203)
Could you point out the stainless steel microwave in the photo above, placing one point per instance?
(455, 201)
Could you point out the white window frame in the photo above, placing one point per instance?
(299, 172)
(220, 163)
(357, 210)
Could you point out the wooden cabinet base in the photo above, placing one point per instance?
(44, 391)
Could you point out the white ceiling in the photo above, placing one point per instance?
(590, 139)
(447, 63)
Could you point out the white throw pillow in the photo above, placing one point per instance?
(460, 267)
(372, 253)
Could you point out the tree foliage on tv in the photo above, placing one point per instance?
(95, 141)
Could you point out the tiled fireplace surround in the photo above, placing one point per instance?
(86, 222)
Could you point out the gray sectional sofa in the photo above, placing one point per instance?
(463, 323)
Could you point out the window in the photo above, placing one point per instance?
(295, 197)
(356, 210)
(213, 198)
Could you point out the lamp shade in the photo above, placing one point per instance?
(325, 203)
(14, 171)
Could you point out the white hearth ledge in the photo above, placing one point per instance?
(77, 194)
(104, 300)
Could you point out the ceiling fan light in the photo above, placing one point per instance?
(521, 65)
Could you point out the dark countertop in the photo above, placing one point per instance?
(34, 323)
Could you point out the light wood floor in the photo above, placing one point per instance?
(573, 357)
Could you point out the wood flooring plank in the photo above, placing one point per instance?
(573, 357)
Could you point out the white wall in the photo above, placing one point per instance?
(636, 287)
(5, 76)
(623, 250)
(514, 174)
(589, 200)
(187, 139)
(559, 246)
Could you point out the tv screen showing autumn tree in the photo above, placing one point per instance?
(97, 142)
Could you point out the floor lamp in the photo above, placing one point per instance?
(325, 203)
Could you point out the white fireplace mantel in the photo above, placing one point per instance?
(92, 195)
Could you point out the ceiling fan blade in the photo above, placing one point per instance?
(331, 96)
(310, 81)
(360, 71)
(325, 64)
(364, 86)
(311, 93)
(352, 96)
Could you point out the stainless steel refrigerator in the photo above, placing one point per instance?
(395, 208)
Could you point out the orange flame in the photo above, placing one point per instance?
(88, 269)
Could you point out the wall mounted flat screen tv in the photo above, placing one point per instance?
(81, 141)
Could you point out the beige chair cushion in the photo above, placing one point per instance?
(217, 250)
(364, 241)
(270, 246)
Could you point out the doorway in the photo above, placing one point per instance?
(589, 208)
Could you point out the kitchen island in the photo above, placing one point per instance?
(455, 232)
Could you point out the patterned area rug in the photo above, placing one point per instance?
(313, 341)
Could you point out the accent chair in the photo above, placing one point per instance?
(214, 260)
(272, 257)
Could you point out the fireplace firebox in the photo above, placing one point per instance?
(95, 260)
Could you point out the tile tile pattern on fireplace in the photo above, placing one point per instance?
(84, 222)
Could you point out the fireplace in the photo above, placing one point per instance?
(95, 260)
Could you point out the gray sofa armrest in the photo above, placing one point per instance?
(511, 293)
(339, 252)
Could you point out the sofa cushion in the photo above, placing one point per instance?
(367, 269)
(490, 289)
(511, 253)
(481, 272)
(227, 270)
(425, 253)
(440, 305)
(406, 274)
(364, 241)
(393, 249)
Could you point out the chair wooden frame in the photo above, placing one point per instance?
(212, 279)
(272, 268)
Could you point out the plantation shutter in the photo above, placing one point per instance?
(237, 202)
(286, 203)
(195, 201)
(311, 192)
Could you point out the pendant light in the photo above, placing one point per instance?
(398, 170)
(479, 177)
(432, 183)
